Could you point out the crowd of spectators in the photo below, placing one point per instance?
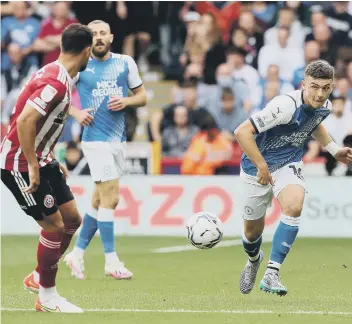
(228, 60)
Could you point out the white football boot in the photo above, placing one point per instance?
(76, 264)
(117, 270)
(57, 304)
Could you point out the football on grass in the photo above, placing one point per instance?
(204, 230)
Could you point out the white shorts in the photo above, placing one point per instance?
(106, 160)
(256, 198)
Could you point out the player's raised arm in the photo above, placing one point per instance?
(343, 155)
(278, 111)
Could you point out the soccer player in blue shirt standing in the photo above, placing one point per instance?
(103, 88)
(272, 141)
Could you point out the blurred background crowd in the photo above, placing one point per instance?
(207, 65)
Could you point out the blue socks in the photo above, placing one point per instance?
(102, 219)
(106, 228)
(283, 239)
(89, 227)
(252, 248)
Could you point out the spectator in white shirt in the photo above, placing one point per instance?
(286, 19)
(242, 71)
(288, 59)
(338, 123)
(339, 126)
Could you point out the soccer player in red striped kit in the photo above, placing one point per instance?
(29, 169)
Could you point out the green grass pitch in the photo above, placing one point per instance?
(185, 287)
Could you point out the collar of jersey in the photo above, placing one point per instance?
(95, 60)
(68, 75)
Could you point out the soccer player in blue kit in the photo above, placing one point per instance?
(103, 88)
(272, 141)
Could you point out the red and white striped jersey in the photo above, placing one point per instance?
(49, 92)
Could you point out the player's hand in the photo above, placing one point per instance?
(117, 103)
(84, 117)
(34, 179)
(344, 155)
(264, 176)
(64, 170)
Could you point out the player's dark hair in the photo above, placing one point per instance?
(75, 38)
(320, 70)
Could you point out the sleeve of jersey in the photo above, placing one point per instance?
(134, 80)
(278, 111)
(47, 96)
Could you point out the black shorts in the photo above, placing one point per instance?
(52, 192)
(139, 17)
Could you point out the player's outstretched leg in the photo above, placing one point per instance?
(291, 201)
(255, 200)
(74, 259)
(108, 191)
(255, 258)
(251, 240)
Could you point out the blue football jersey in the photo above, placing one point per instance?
(282, 127)
(96, 84)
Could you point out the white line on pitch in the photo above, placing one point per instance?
(189, 247)
(224, 311)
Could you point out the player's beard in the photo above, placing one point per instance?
(102, 53)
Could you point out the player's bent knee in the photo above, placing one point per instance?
(75, 221)
(56, 226)
(110, 202)
(70, 213)
(294, 209)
